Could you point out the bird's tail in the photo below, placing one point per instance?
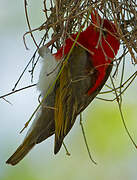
(21, 151)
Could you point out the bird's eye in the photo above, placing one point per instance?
(104, 33)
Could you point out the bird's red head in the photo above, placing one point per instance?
(105, 45)
(90, 37)
(105, 32)
(103, 24)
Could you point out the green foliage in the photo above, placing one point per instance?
(106, 131)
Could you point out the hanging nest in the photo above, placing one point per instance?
(65, 17)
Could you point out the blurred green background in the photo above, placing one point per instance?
(109, 144)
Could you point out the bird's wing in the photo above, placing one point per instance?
(77, 77)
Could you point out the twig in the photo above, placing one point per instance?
(122, 116)
(27, 18)
(10, 93)
(85, 139)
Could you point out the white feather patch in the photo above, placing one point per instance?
(49, 65)
(49, 70)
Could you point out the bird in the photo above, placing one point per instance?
(82, 77)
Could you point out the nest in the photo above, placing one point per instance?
(64, 17)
